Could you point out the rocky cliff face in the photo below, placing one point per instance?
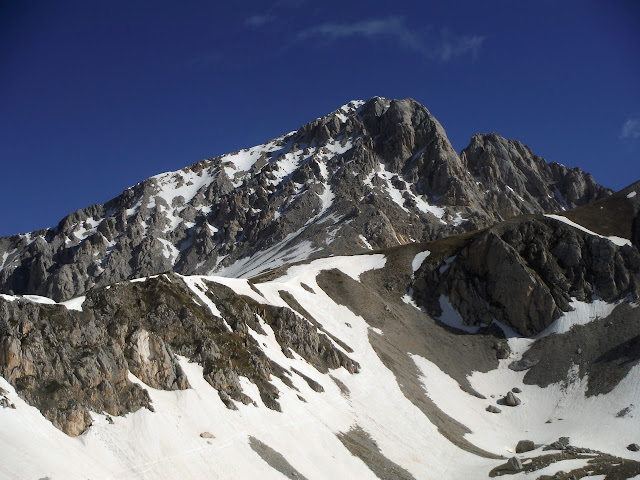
(524, 272)
(510, 169)
(68, 362)
(370, 175)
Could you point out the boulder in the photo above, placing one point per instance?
(561, 444)
(523, 364)
(511, 400)
(514, 464)
(525, 446)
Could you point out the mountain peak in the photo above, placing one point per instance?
(373, 174)
(348, 108)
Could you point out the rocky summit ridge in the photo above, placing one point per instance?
(369, 175)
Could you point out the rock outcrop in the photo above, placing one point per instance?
(65, 363)
(525, 272)
(68, 362)
(510, 168)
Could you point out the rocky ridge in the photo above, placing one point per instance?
(525, 272)
(370, 175)
(69, 362)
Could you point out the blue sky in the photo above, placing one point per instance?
(96, 96)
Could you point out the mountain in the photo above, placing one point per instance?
(370, 175)
(493, 330)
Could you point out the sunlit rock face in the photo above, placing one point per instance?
(370, 175)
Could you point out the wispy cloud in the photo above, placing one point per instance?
(451, 45)
(630, 129)
(443, 48)
(258, 20)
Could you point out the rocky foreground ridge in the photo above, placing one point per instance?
(370, 175)
(69, 362)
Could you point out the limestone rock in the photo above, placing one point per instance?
(523, 364)
(525, 446)
(152, 361)
(356, 157)
(516, 272)
(561, 444)
(511, 400)
(514, 464)
(68, 363)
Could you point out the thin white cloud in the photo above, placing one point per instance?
(258, 20)
(444, 49)
(451, 45)
(630, 129)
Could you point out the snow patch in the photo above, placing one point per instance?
(198, 287)
(581, 314)
(170, 252)
(365, 242)
(353, 266)
(458, 219)
(447, 262)
(452, 318)
(398, 195)
(616, 240)
(5, 257)
(74, 303)
(418, 259)
(344, 110)
(39, 299)
(560, 198)
(545, 413)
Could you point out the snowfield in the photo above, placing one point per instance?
(192, 435)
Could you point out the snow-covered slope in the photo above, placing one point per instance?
(415, 409)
